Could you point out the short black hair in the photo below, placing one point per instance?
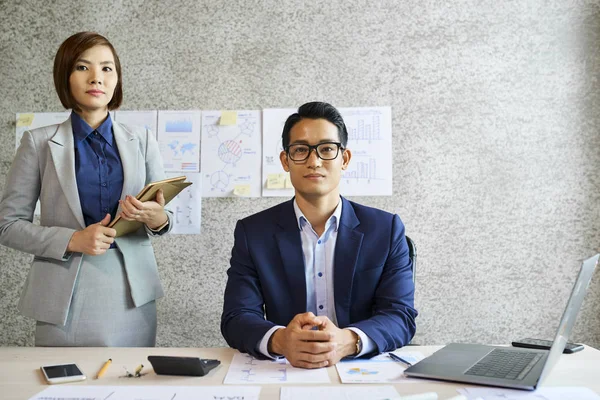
(315, 110)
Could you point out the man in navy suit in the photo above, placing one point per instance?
(318, 278)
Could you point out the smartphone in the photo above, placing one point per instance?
(62, 373)
(188, 366)
(531, 343)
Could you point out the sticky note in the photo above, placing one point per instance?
(241, 190)
(228, 118)
(276, 181)
(288, 182)
(24, 120)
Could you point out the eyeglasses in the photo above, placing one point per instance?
(325, 151)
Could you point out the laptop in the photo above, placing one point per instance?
(511, 367)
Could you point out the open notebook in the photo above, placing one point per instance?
(171, 187)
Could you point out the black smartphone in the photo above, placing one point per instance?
(187, 366)
(531, 343)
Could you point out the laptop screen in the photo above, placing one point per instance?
(569, 315)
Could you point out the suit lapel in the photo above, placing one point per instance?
(128, 152)
(347, 249)
(292, 258)
(62, 149)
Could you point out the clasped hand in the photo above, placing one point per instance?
(151, 213)
(313, 342)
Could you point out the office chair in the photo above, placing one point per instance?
(412, 253)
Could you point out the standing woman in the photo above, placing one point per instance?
(86, 287)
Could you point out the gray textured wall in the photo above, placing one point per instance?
(495, 120)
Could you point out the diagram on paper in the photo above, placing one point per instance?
(144, 119)
(245, 369)
(187, 206)
(370, 141)
(379, 369)
(179, 140)
(231, 153)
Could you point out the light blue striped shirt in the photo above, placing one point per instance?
(319, 254)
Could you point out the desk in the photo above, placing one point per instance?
(20, 377)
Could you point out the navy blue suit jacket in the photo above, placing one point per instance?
(373, 286)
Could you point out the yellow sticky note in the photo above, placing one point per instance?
(288, 182)
(276, 181)
(228, 118)
(241, 190)
(24, 120)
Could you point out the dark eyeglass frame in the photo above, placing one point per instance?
(316, 149)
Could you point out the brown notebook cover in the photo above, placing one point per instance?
(171, 187)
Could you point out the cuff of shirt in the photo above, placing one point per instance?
(160, 228)
(263, 346)
(368, 345)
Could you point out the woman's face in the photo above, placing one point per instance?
(94, 78)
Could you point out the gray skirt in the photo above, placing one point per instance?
(102, 312)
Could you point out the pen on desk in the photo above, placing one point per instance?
(138, 370)
(104, 368)
(400, 359)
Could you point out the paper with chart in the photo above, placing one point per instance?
(275, 181)
(245, 369)
(370, 140)
(231, 153)
(179, 140)
(542, 393)
(28, 121)
(187, 206)
(83, 392)
(379, 369)
(338, 392)
(145, 119)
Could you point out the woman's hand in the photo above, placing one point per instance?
(151, 213)
(93, 240)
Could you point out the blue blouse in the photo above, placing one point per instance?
(98, 169)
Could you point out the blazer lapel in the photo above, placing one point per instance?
(292, 259)
(128, 151)
(62, 149)
(347, 249)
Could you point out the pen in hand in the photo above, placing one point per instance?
(104, 368)
(399, 359)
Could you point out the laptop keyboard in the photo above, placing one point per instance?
(505, 364)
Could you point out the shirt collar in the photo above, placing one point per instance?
(82, 130)
(334, 219)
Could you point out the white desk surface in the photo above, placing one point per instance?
(20, 376)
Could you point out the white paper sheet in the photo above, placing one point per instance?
(231, 155)
(245, 369)
(187, 206)
(179, 140)
(543, 393)
(338, 393)
(273, 121)
(83, 392)
(145, 119)
(379, 369)
(370, 141)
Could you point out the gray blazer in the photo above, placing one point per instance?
(44, 169)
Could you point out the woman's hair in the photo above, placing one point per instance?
(67, 55)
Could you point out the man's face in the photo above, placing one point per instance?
(315, 177)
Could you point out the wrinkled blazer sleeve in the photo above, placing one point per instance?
(242, 323)
(21, 192)
(392, 324)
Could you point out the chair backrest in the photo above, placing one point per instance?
(412, 253)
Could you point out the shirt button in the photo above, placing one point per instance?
(320, 307)
(320, 274)
(104, 184)
(319, 242)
